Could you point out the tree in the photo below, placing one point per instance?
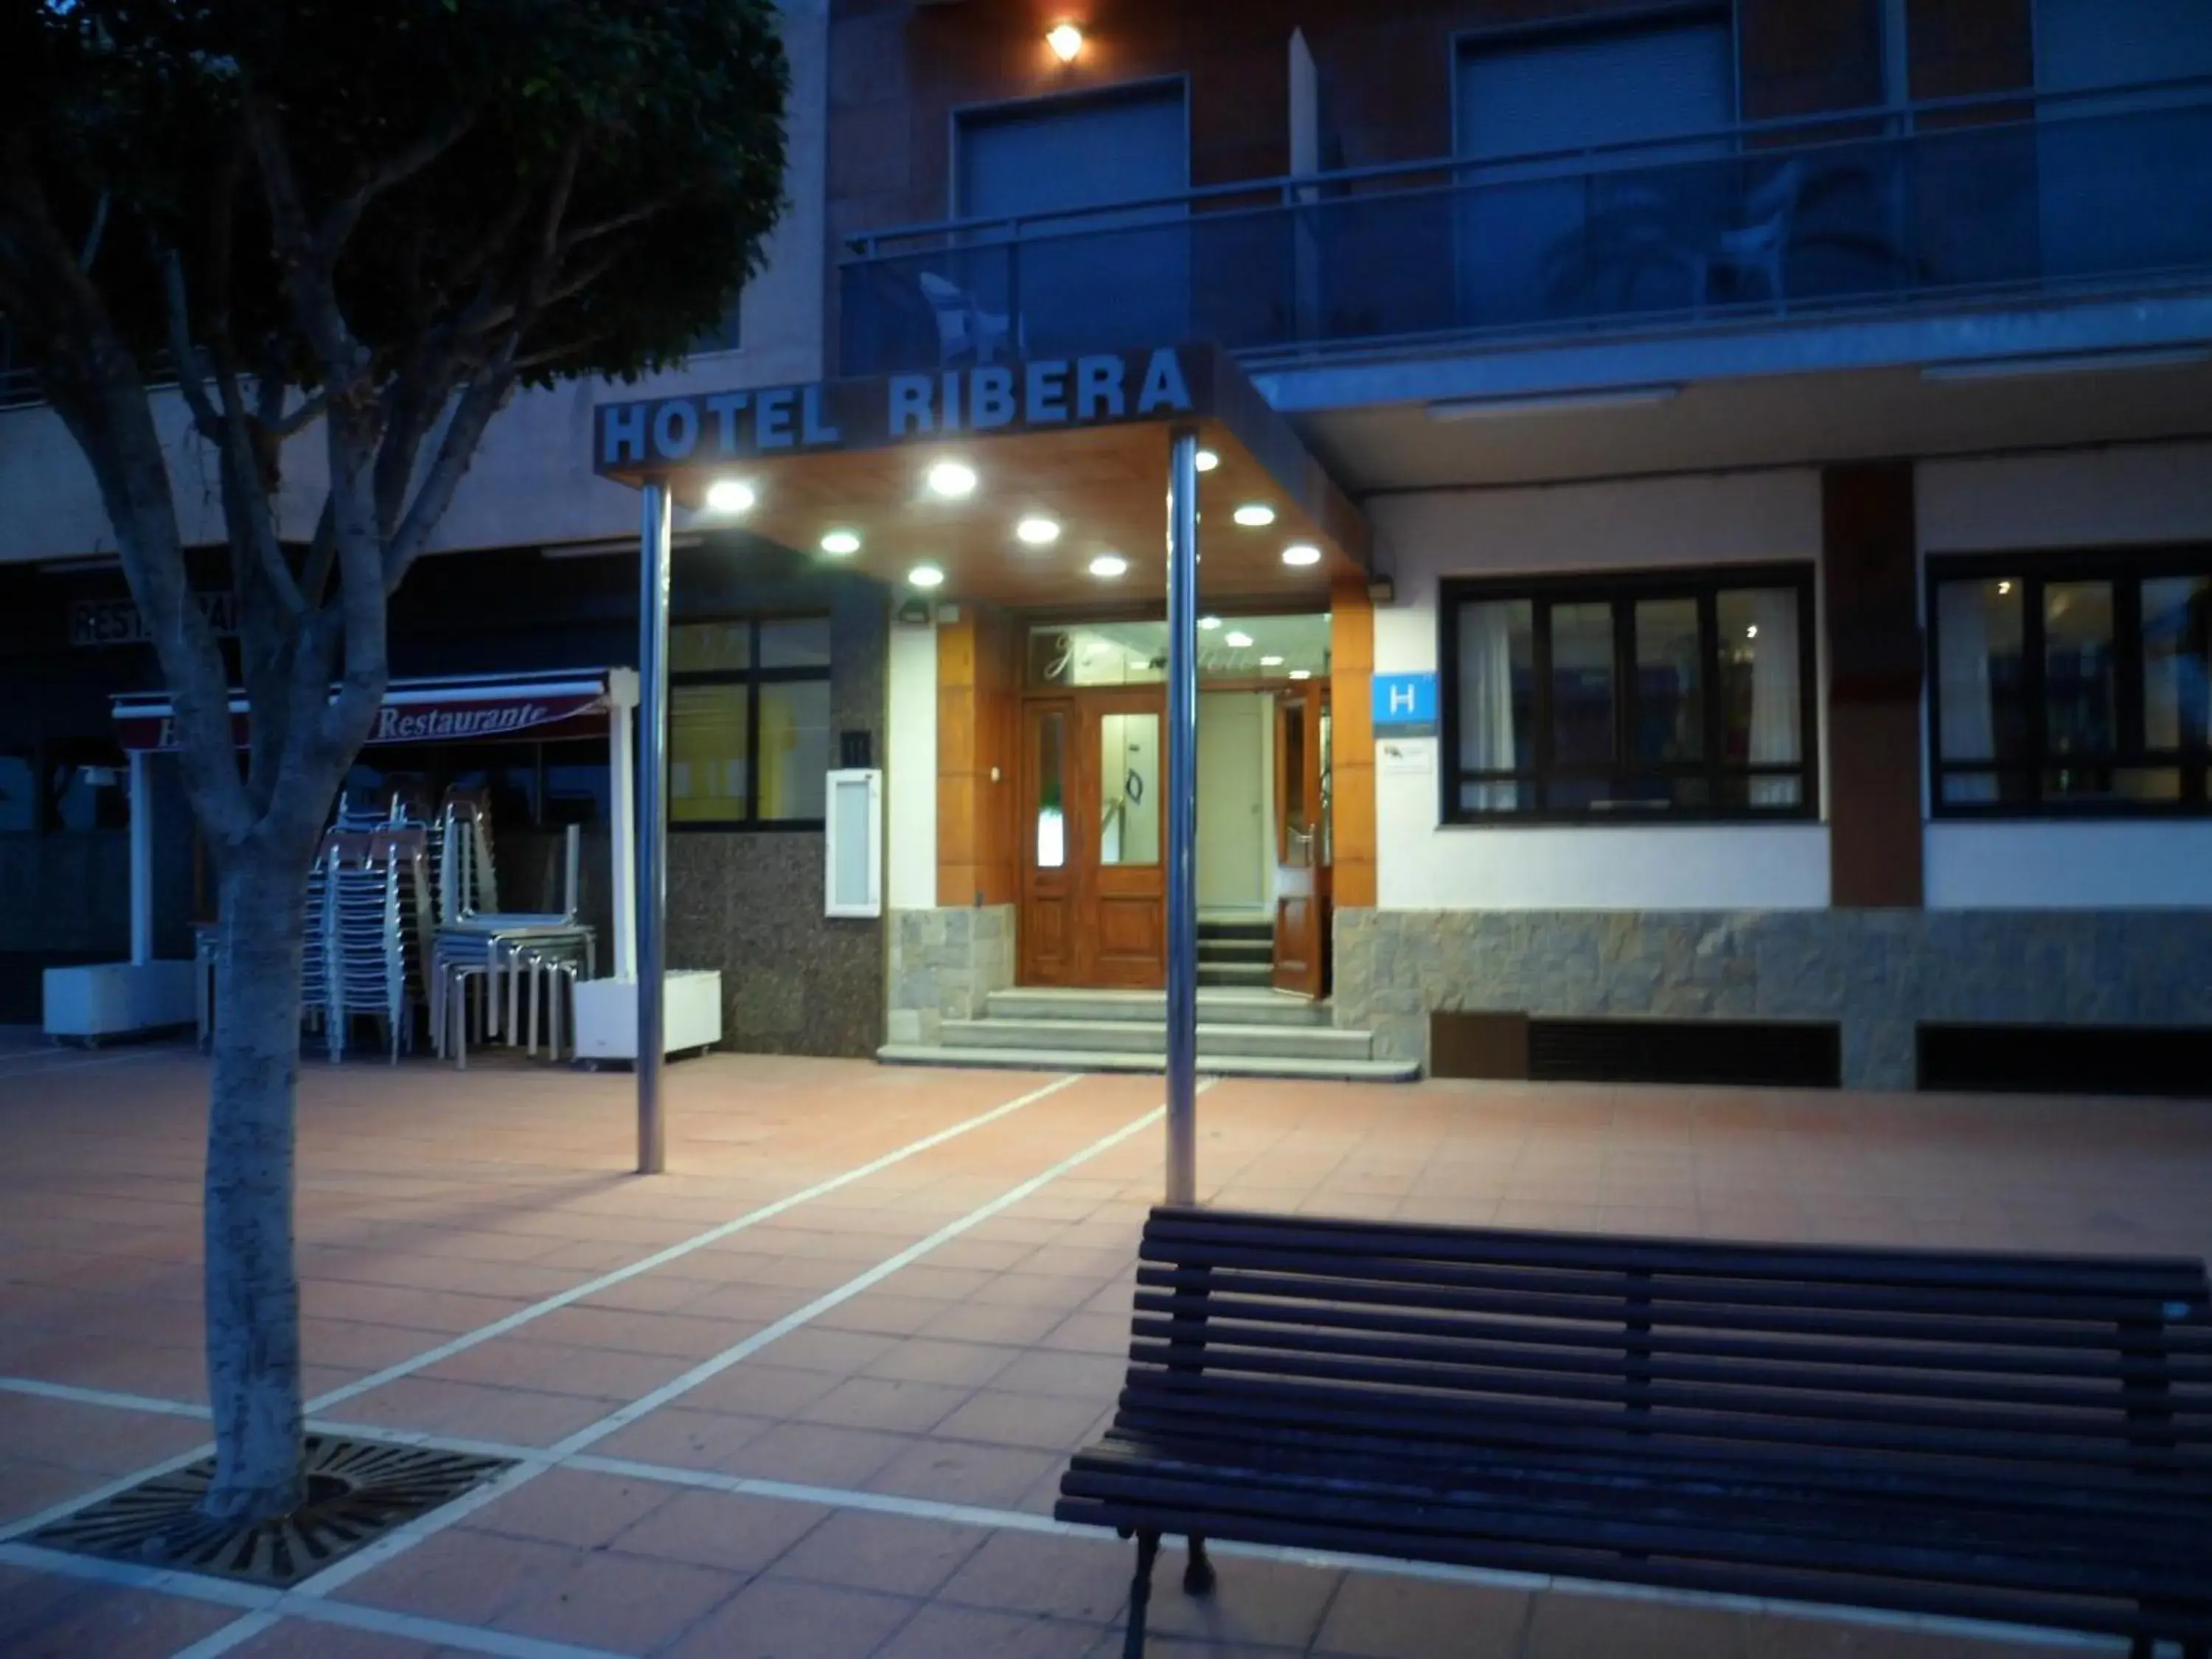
(356, 226)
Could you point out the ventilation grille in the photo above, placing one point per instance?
(1773, 1054)
(2068, 1060)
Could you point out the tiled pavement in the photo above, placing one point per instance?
(881, 1308)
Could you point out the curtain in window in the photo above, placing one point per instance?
(1968, 730)
(1485, 706)
(1776, 690)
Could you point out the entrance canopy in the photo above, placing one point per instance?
(453, 709)
(1078, 443)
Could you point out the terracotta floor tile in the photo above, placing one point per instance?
(1568, 1626)
(782, 1618)
(684, 1437)
(981, 1322)
(843, 1353)
(73, 1619)
(955, 1473)
(1379, 1616)
(817, 1453)
(939, 1631)
(761, 1388)
(889, 1553)
(627, 1603)
(1004, 1418)
(886, 1403)
(1264, 1603)
(301, 1638)
(723, 1530)
(934, 1359)
(570, 1507)
(1079, 1578)
(470, 1576)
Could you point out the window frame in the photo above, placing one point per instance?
(752, 677)
(1622, 590)
(2126, 569)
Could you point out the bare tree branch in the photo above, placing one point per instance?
(227, 428)
(301, 419)
(457, 447)
(92, 236)
(607, 226)
(394, 169)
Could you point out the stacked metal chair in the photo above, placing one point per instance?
(376, 920)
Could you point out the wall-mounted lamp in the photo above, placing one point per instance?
(1065, 41)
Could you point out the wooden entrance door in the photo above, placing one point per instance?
(1094, 824)
(1302, 840)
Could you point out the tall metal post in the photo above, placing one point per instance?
(142, 858)
(652, 825)
(1183, 818)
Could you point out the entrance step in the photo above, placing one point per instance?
(1238, 975)
(1144, 1036)
(1222, 952)
(1109, 1059)
(1215, 1007)
(1260, 926)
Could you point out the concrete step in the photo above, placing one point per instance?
(1229, 1006)
(1233, 974)
(1147, 1036)
(1108, 1059)
(1259, 927)
(1236, 950)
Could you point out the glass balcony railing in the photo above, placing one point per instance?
(1951, 200)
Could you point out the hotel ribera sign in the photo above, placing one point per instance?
(1035, 394)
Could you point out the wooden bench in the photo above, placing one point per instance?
(2011, 1438)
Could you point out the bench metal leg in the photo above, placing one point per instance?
(1198, 1572)
(1140, 1595)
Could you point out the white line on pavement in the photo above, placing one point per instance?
(522, 1316)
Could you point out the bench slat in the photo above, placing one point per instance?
(1776, 1317)
(1540, 1351)
(2099, 1364)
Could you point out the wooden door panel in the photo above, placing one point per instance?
(1050, 792)
(1302, 875)
(1119, 921)
(1130, 938)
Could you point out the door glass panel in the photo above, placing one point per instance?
(2077, 668)
(1051, 791)
(1128, 789)
(1298, 828)
(1327, 844)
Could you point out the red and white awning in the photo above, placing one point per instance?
(460, 709)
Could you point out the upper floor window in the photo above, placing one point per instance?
(2072, 685)
(748, 723)
(1669, 695)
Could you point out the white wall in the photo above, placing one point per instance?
(1749, 518)
(2081, 499)
(910, 785)
(532, 481)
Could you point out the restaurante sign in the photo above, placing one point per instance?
(1035, 394)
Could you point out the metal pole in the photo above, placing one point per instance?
(652, 826)
(142, 858)
(1183, 818)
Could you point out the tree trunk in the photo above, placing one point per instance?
(253, 1284)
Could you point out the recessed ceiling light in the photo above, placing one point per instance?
(729, 496)
(1254, 515)
(1752, 632)
(926, 576)
(1038, 530)
(1207, 460)
(1236, 641)
(1302, 673)
(1271, 662)
(1209, 622)
(1109, 564)
(1065, 41)
(1302, 553)
(841, 542)
(950, 479)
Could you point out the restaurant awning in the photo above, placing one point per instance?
(451, 708)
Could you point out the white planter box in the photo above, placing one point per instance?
(606, 1014)
(119, 998)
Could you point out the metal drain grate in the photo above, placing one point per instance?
(357, 1490)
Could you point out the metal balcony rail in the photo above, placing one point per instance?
(1885, 205)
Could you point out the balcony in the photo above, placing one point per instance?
(1947, 204)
